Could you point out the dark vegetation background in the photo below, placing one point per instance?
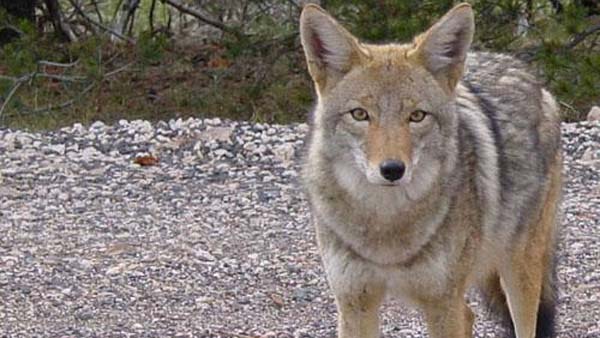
(66, 61)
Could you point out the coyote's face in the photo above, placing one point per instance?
(385, 112)
(385, 120)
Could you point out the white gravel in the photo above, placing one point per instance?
(212, 241)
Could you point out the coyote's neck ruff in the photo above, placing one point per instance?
(431, 169)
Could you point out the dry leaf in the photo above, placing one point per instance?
(277, 299)
(218, 62)
(146, 160)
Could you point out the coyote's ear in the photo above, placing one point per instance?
(330, 50)
(443, 48)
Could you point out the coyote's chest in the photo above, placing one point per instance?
(384, 240)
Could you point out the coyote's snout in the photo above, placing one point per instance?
(430, 170)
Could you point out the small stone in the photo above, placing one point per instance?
(78, 128)
(85, 264)
(117, 269)
(57, 148)
(203, 255)
(589, 155)
(284, 153)
(222, 134)
(176, 124)
(90, 153)
(84, 315)
(220, 153)
(97, 126)
(277, 300)
(302, 294)
(213, 122)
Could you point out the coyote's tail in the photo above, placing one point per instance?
(495, 299)
(546, 319)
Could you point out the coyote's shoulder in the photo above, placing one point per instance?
(431, 169)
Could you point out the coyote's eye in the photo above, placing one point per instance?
(417, 116)
(359, 114)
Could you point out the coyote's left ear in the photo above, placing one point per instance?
(443, 48)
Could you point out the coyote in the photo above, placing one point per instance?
(430, 170)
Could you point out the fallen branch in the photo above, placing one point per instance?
(9, 78)
(118, 70)
(578, 38)
(61, 77)
(569, 107)
(57, 64)
(19, 81)
(64, 104)
(12, 28)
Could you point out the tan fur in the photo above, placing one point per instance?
(388, 142)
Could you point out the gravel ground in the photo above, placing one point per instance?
(213, 240)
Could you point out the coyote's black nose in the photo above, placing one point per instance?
(392, 170)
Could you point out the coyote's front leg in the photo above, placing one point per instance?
(357, 286)
(358, 312)
(449, 317)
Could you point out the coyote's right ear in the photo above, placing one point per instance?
(330, 50)
(443, 48)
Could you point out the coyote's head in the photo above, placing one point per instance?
(385, 113)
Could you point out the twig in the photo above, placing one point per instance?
(195, 13)
(58, 21)
(577, 38)
(10, 78)
(131, 20)
(568, 106)
(60, 77)
(13, 28)
(97, 10)
(151, 16)
(62, 105)
(29, 77)
(118, 70)
(128, 18)
(114, 17)
(57, 64)
(18, 81)
(99, 25)
(12, 92)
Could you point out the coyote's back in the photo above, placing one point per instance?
(430, 170)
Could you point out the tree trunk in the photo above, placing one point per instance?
(61, 27)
